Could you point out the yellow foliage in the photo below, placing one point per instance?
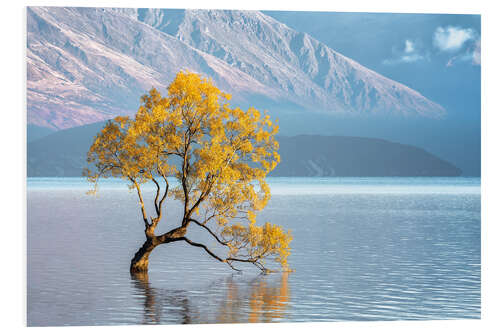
(219, 155)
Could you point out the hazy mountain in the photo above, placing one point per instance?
(64, 154)
(324, 156)
(90, 64)
(34, 132)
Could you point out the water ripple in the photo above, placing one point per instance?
(358, 256)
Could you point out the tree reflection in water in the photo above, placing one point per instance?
(158, 302)
(265, 300)
(269, 302)
(262, 299)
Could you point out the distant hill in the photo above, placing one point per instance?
(63, 154)
(316, 155)
(34, 132)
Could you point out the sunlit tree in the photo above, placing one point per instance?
(212, 158)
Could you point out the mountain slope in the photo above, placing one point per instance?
(89, 64)
(307, 72)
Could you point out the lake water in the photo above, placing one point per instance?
(363, 249)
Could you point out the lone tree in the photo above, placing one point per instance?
(212, 158)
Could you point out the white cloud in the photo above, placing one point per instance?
(471, 55)
(476, 54)
(404, 59)
(408, 54)
(451, 39)
(409, 46)
(412, 58)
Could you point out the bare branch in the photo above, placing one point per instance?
(143, 209)
(164, 193)
(184, 176)
(157, 195)
(168, 153)
(210, 231)
(202, 197)
(204, 247)
(253, 261)
(231, 265)
(209, 252)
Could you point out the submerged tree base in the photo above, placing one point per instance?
(140, 261)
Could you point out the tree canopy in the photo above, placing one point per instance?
(212, 158)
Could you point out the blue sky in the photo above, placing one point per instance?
(435, 54)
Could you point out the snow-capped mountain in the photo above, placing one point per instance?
(90, 64)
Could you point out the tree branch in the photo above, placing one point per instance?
(143, 210)
(209, 252)
(157, 195)
(202, 197)
(210, 231)
(204, 247)
(184, 177)
(253, 261)
(164, 193)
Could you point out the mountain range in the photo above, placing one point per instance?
(86, 65)
(63, 154)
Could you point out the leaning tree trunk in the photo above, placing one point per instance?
(140, 260)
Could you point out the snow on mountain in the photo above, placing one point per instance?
(89, 64)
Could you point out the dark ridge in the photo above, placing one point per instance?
(34, 132)
(316, 155)
(63, 154)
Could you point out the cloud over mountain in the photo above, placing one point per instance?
(451, 39)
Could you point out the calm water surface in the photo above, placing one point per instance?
(363, 249)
